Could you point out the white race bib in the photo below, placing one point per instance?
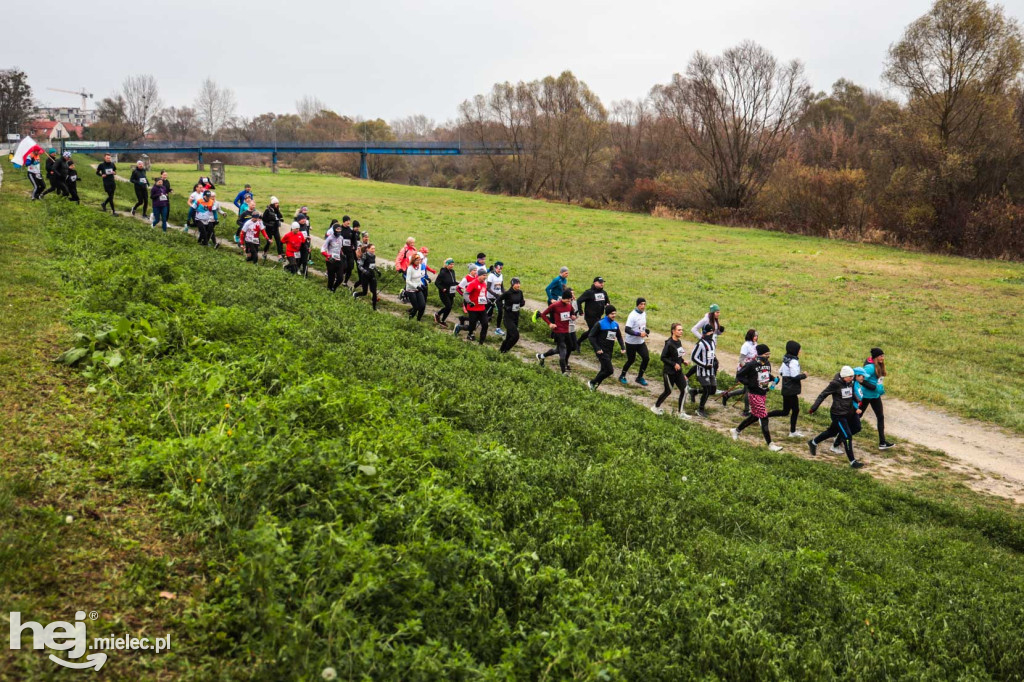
(611, 336)
(346, 242)
(515, 307)
(680, 351)
(711, 355)
(564, 317)
(846, 392)
(451, 290)
(482, 299)
(110, 171)
(598, 297)
(143, 181)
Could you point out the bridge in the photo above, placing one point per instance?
(363, 148)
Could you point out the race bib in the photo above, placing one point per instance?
(515, 307)
(564, 317)
(762, 377)
(846, 392)
(373, 266)
(451, 290)
(73, 178)
(711, 355)
(611, 336)
(143, 181)
(680, 352)
(572, 327)
(598, 297)
(346, 242)
(110, 171)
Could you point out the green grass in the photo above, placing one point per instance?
(950, 326)
(399, 505)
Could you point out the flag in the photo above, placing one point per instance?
(25, 147)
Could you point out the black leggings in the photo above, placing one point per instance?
(350, 262)
(562, 350)
(55, 186)
(511, 332)
(706, 391)
(367, 282)
(478, 317)
(334, 268)
(605, 360)
(252, 252)
(447, 301)
(109, 189)
(418, 302)
(38, 186)
(764, 427)
(841, 428)
(142, 199)
(206, 235)
(790, 406)
(632, 350)
(679, 381)
(876, 405)
(273, 233)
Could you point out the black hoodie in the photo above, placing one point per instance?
(842, 397)
(592, 302)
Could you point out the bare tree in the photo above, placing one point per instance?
(951, 63)
(308, 107)
(178, 123)
(737, 110)
(215, 107)
(142, 103)
(416, 127)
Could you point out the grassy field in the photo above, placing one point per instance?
(950, 326)
(396, 504)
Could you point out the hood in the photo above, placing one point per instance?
(792, 348)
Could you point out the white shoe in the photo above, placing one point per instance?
(735, 434)
(774, 447)
(795, 434)
(657, 410)
(837, 451)
(682, 415)
(591, 386)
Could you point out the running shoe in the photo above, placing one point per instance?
(886, 445)
(499, 331)
(682, 415)
(774, 447)
(857, 464)
(734, 433)
(458, 328)
(702, 414)
(591, 386)
(540, 358)
(623, 380)
(836, 450)
(813, 447)
(795, 434)
(641, 381)
(657, 410)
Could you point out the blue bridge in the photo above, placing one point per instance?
(364, 148)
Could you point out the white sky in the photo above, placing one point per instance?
(392, 59)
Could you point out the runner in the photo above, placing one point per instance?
(603, 340)
(841, 411)
(161, 203)
(167, 182)
(302, 218)
(246, 208)
(193, 201)
(402, 259)
(107, 171)
(72, 180)
(592, 303)
(495, 288)
(35, 174)
(207, 218)
(461, 290)
(858, 404)
(251, 231)
(240, 197)
(60, 170)
(272, 220)
(791, 387)
(757, 377)
(697, 330)
(557, 285)
(368, 274)
(334, 255)
(476, 290)
(414, 287)
(747, 354)
(446, 291)
(424, 269)
(293, 241)
(561, 315)
(703, 356)
(141, 184)
(349, 240)
(636, 342)
(511, 301)
(673, 357)
(481, 261)
(51, 173)
(874, 375)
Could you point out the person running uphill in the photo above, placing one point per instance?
(606, 333)
(272, 220)
(757, 377)
(368, 274)
(592, 303)
(333, 254)
(107, 171)
(293, 242)
(71, 183)
(35, 175)
(250, 236)
(636, 342)
(141, 184)
(841, 390)
(673, 357)
(511, 302)
(703, 357)
(557, 316)
(791, 387)
(414, 287)
(446, 291)
(476, 291)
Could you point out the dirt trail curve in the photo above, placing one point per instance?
(982, 446)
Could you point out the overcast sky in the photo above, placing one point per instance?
(391, 59)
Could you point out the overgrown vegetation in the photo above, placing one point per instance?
(395, 504)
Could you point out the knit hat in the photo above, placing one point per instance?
(51, 150)
(846, 371)
(762, 349)
(449, 261)
(481, 271)
(875, 352)
(274, 200)
(714, 308)
(792, 348)
(515, 281)
(609, 309)
(639, 300)
(355, 223)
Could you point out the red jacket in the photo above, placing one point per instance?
(477, 291)
(560, 314)
(293, 242)
(402, 261)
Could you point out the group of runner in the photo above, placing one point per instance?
(482, 297)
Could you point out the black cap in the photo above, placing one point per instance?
(707, 329)
(599, 279)
(355, 223)
(762, 349)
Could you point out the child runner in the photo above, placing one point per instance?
(842, 408)
(636, 341)
(606, 333)
(791, 387)
(874, 375)
(673, 357)
(747, 354)
(71, 183)
(756, 375)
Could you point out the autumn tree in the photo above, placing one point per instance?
(15, 100)
(215, 107)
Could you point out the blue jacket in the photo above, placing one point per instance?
(871, 377)
(555, 289)
(238, 198)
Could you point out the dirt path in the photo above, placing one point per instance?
(979, 447)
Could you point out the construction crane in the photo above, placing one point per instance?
(83, 94)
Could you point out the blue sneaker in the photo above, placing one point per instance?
(623, 380)
(641, 381)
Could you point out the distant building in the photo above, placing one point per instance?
(72, 115)
(53, 130)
